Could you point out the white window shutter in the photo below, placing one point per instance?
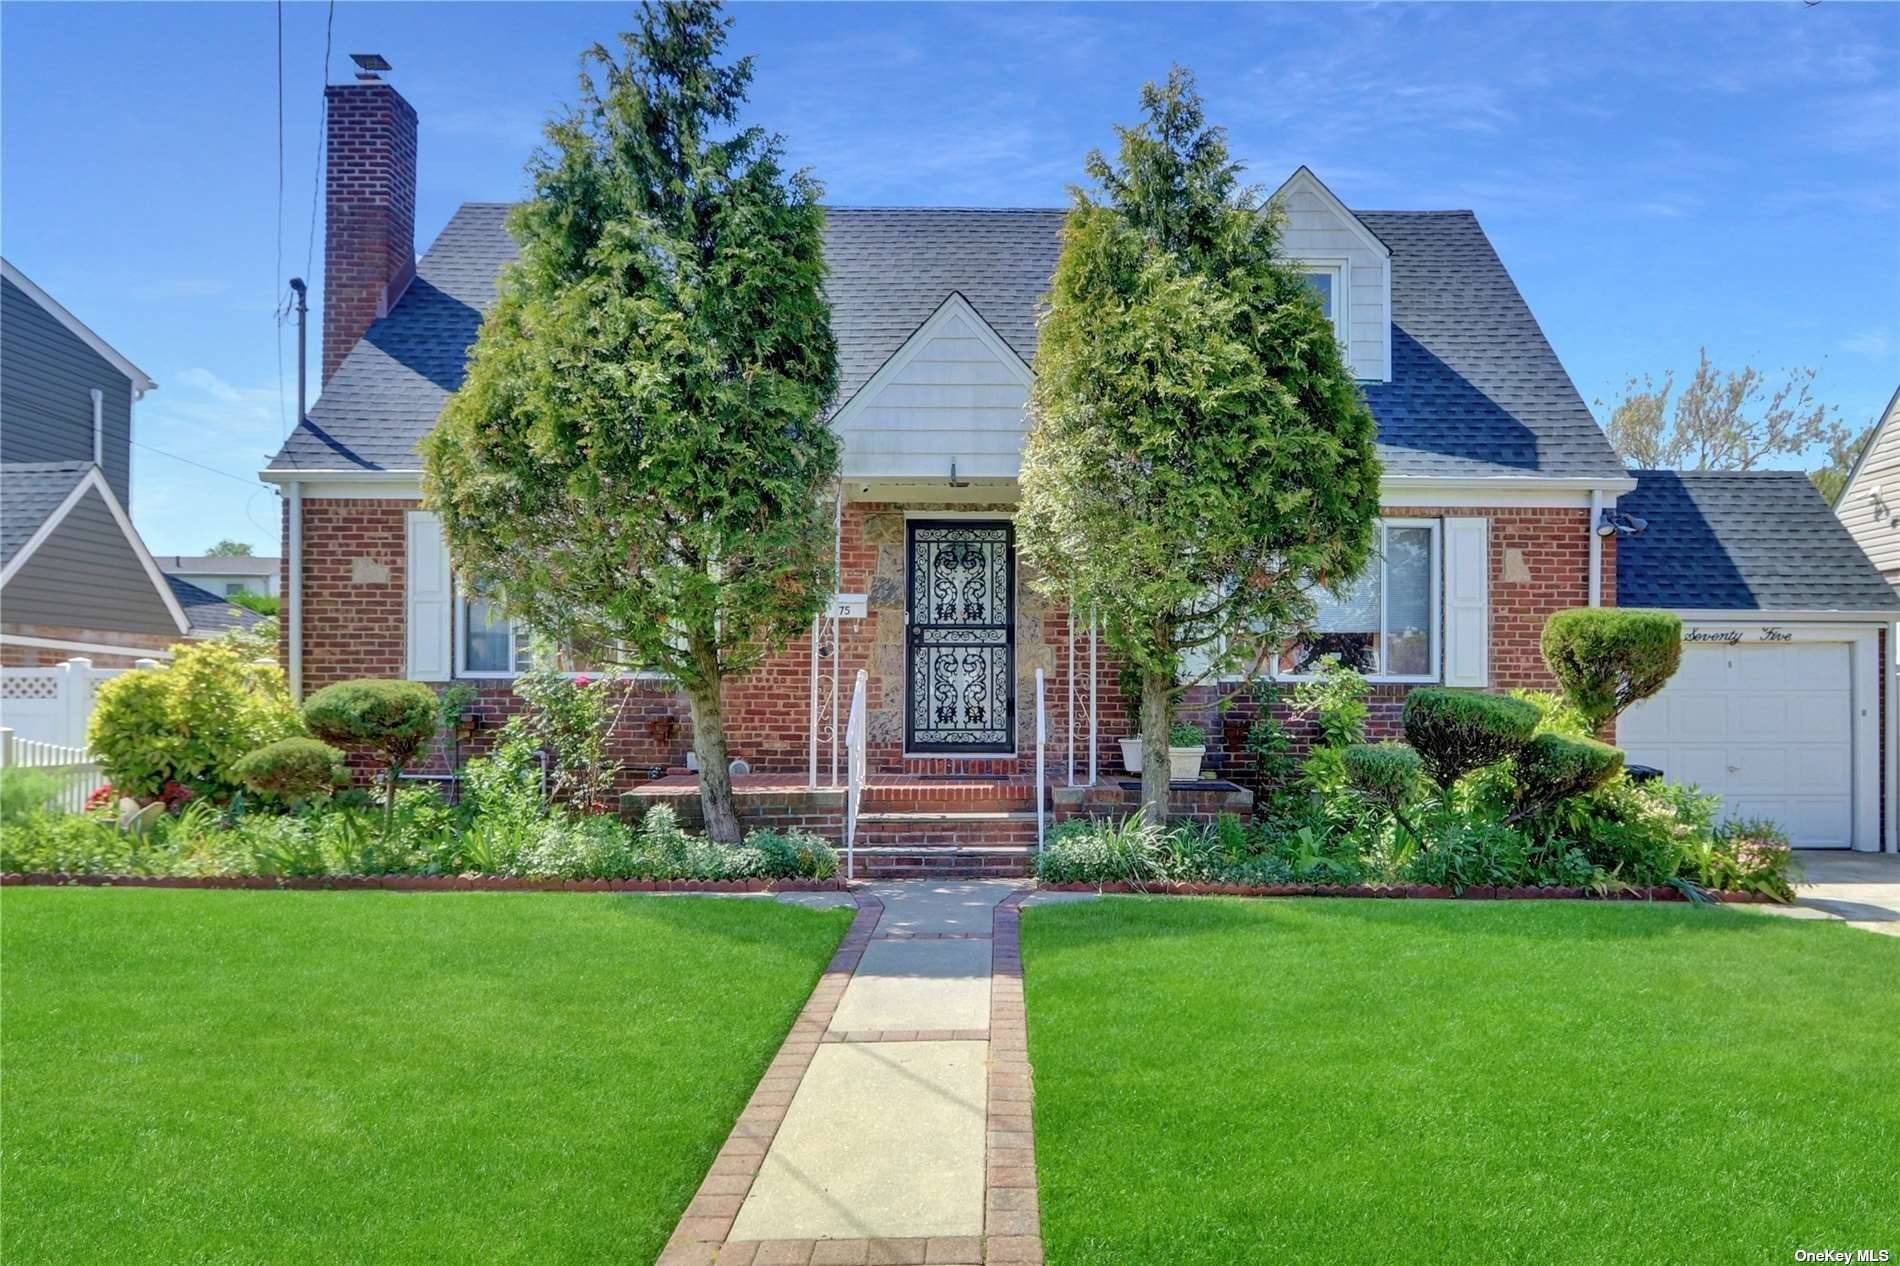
(1467, 602)
(429, 590)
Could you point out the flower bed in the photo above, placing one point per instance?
(1415, 891)
(420, 883)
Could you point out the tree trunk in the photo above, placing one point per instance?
(1157, 690)
(715, 780)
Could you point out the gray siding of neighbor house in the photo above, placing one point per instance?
(86, 575)
(1871, 507)
(46, 379)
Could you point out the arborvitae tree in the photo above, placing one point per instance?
(636, 461)
(1201, 457)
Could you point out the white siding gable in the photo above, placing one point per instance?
(954, 392)
(1317, 228)
(1870, 504)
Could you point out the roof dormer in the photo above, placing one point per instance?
(1350, 268)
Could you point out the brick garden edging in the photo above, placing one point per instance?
(1479, 893)
(421, 883)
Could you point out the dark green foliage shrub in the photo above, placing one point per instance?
(1552, 768)
(1607, 658)
(1460, 853)
(392, 720)
(1385, 772)
(293, 770)
(1458, 731)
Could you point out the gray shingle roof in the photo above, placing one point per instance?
(206, 612)
(1758, 540)
(1476, 390)
(29, 493)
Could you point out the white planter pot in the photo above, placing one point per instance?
(1131, 754)
(1184, 763)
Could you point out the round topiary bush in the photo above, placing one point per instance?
(1607, 658)
(1386, 772)
(294, 769)
(393, 720)
(1553, 767)
(1457, 731)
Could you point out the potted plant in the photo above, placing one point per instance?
(1187, 744)
(1130, 682)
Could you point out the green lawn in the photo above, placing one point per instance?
(378, 1077)
(1222, 1081)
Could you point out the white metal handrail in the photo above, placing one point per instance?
(854, 774)
(1042, 735)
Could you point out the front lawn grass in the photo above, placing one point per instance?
(1224, 1081)
(378, 1077)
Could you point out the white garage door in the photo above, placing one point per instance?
(1767, 727)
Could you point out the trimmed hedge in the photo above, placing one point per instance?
(293, 769)
(1607, 658)
(1553, 767)
(1384, 772)
(1458, 731)
(395, 719)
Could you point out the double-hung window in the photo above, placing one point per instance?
(488, 643)
(1386, 624)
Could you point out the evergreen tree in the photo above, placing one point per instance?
(636, 461)
(1201, 456)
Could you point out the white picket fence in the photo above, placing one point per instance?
(43, 716)
(78, 772)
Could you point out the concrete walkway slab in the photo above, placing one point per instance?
(931, 984)
(883, 1140)
(959, 905)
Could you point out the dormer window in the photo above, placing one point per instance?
(1327, 281)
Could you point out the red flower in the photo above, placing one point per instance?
(581, 683)
(101, 797)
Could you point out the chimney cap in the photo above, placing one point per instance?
(369, 63)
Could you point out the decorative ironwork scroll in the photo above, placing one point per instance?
(962, 661)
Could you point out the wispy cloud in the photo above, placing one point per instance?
(1875, 343)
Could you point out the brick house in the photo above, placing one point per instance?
(1496, 476)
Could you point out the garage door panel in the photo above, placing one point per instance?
(1817, 716)
(1766, 727)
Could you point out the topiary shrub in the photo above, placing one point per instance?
(1552, 768)
(1458, 731)
(392, 720)
(1607, 658)
(189, 723)
(294, 770)
(1385, 772)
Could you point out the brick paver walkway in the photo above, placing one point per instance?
(894, 1124)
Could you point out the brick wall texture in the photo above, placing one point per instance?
(354, 626)
(369, 233)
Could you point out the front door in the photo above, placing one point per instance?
(962, 643)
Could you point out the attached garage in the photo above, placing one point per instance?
(1779, 705)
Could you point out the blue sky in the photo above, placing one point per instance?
(1657, 177)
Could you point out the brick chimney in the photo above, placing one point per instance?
(369, 207)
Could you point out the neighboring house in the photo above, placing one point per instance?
(1779, 705)
(75, 579)
(225, 574)
(1869, 505)
(1496, 477)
